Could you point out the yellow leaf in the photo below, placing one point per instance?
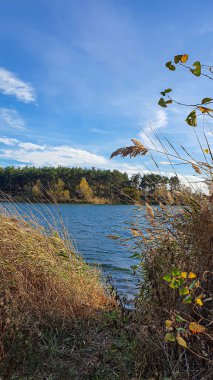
(196, 328)
(205, 109)
(184, 58)
(184, 274)
(192, 275)
(198, 301)
(168, 323)
(206, 151)
(181, 341)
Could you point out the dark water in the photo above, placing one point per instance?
(88, 227)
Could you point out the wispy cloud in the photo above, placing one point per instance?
(99, 131)
(8, 141)
(10, 84)
(11, 118)
(147, 134)
(31, 146)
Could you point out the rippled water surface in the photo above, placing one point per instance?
(88, 226)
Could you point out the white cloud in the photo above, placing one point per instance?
(31, 146)
(147, 134)
(167, 163)
(99, 131)
(40, 155)
(8, 141)
(10, 84)
(11, 118)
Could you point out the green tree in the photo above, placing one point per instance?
(174, 183)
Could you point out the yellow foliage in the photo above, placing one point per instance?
(168, 323)
(84, 190)
(192, 275)
(184, 58)
(199, 301)
(196, 328)
(181, 341)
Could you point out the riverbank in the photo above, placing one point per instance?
(58, 318)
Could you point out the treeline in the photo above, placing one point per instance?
(64, 184)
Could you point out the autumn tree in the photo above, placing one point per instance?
(83, 190)
(37, 190)
(59, 193)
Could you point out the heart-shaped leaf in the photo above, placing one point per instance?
(206, 100)
(184, 291)
(167, 278)
(170, 66)
(162, 103)
(177, 58)
(192, 119)
(197, 70)
(184, 58)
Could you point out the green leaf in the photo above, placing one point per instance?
(175, 284)
(176, 272)
(170, 66)
(166, 91)
(206, 100)
(179, 319)
(197, 70)
(180, 329)
(193, 285)
(177, 58)
(187, 299)
(183, 58)
(162, 103)
(184, 291)
(169, 101)
(167, 278)
(169, 337)
(192, 119)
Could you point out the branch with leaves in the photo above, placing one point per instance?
(198, 70)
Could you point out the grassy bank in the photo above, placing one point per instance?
(59, 321)
(57, 317)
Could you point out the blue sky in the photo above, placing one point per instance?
(79, 79)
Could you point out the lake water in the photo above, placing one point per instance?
(88, 227)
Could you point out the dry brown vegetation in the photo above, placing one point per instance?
(174, 307)
(46, 292)
(179, 241)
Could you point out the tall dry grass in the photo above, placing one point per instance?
(44, 287)
(174, 306)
